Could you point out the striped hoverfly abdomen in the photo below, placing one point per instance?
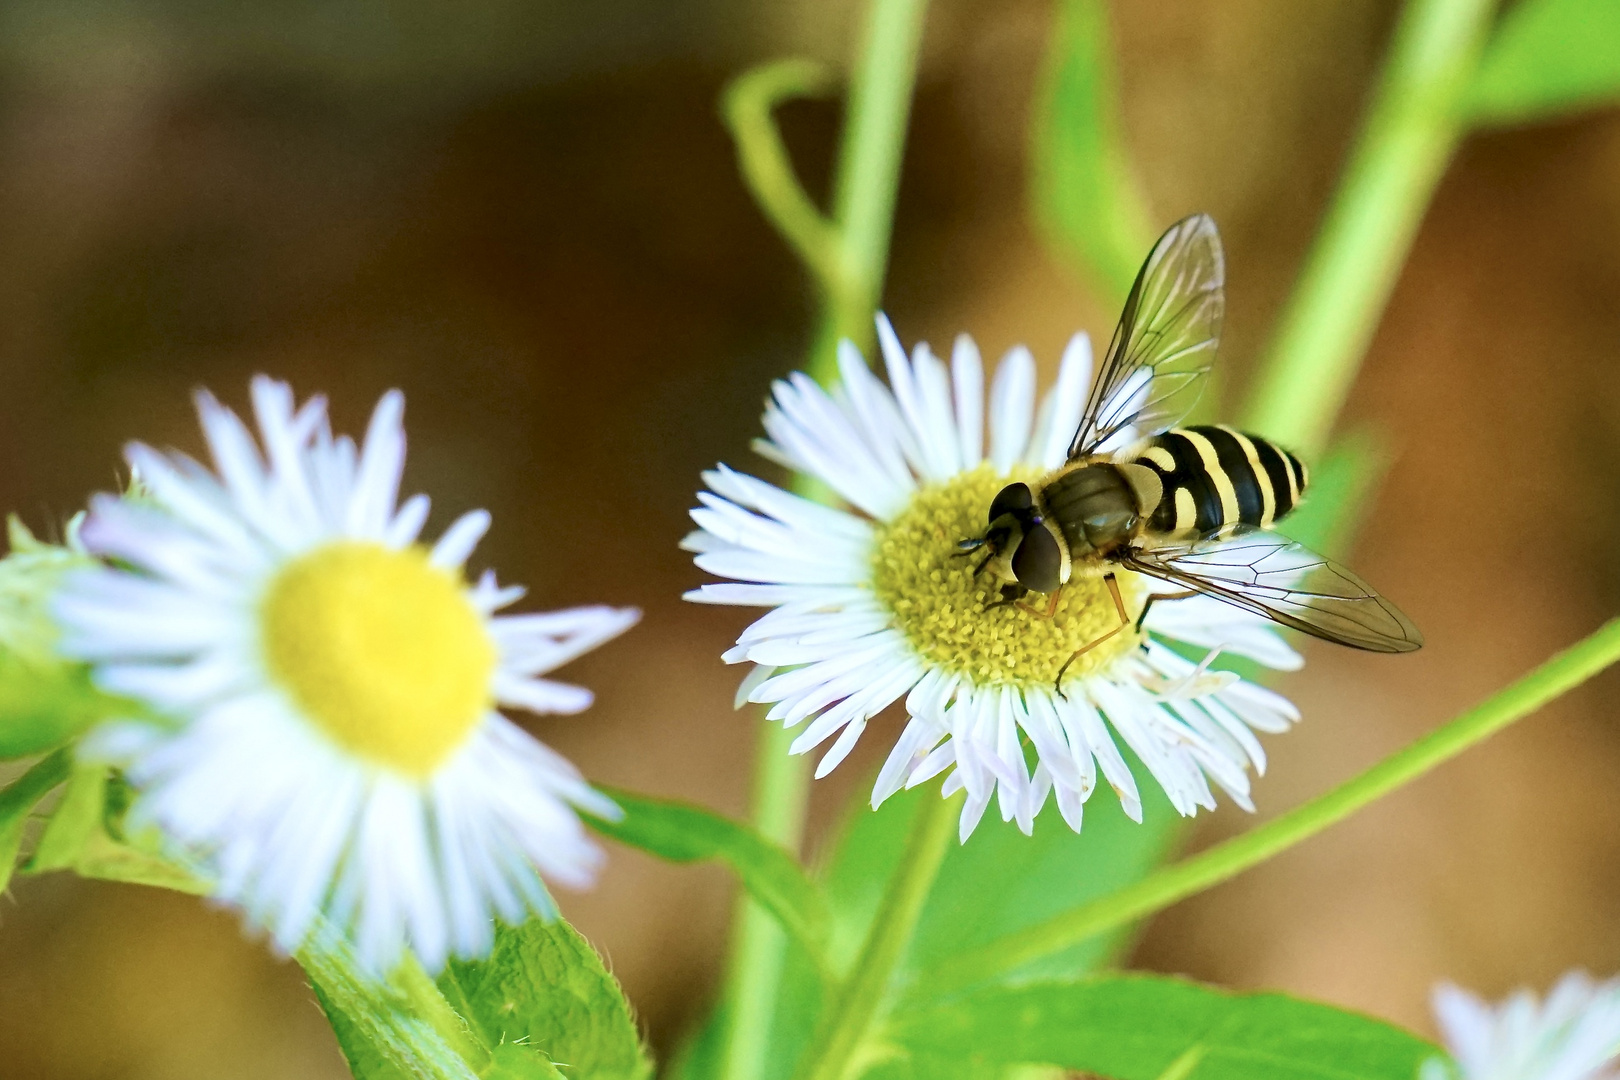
(1215, 476)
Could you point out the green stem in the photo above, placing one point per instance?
(848, 256)
(759, 945)
(1563, 672)
(868, 175)
(766, 168)
(858, 1007)
(1415, 123)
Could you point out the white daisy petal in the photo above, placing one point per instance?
(458, 541)
(967, 382)
(1066, 400)
(404, 811)
(1012, 397)
(1574, 1034)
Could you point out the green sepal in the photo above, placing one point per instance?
(683, 833)
(17, 802)
(72, 822)
(46, 703)
(1147, 1027)
(85, 833)
(44, 700)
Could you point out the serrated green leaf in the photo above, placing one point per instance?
(1549, 58)
(17, 802)
(683, 833)
(1143, 1027)
(72, 821)
(543, 986)
(1087, 203)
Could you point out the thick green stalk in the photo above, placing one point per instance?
(858, 1006)
(1415, 123)
(847, 254)
(1562, 673)
(402, 1022)
(428, 1002)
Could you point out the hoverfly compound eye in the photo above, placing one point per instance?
(1038, 564)
(1013, 499)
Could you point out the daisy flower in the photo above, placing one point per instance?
(331, 684)
(871, 605)
(1573, 1035)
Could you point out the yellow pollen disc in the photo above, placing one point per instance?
(940, 605)
(381, 649)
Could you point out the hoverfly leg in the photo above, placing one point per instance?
(1124, 621)
(1182, 595)
(1051, 605)
(1010, 594)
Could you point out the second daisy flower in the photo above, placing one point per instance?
(873, 604)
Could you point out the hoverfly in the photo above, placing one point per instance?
(1191, 506)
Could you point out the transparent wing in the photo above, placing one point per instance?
(1165, 341)
(1285, 582)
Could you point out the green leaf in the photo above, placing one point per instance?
(544, 987)
(1141, 1027)
(1086, 202)
(1001, 880)
(17, 801)
(683, 833)
(1549, 58)
(514, 1062)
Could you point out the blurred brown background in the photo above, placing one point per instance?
(526, 215)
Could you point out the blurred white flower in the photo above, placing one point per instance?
(330, 687)
(1573, 1035)
(872, 604)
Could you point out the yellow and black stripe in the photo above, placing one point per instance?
(1215, 476)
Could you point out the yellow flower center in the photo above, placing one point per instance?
(381, 649)
(942, 607)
